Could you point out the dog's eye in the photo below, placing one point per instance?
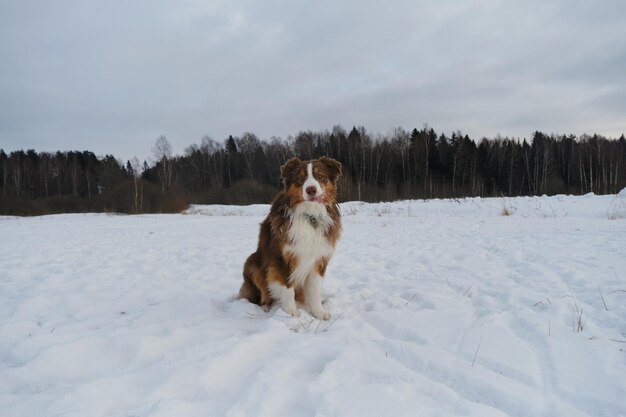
(321, 177)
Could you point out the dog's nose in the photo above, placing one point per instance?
(311, 190)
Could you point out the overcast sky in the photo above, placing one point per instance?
(111, 76)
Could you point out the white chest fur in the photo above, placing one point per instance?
(307, 240)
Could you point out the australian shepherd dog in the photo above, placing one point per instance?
(296, 240)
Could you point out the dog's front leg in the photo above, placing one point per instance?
(286, 296)
(313, 296)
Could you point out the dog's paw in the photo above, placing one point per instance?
(320, 313)
(292, 311)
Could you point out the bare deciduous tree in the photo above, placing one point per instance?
(162, 152)
(137, 170)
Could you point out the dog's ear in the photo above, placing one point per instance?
(333, 167)
(287, 170)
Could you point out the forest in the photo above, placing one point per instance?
(416, 164)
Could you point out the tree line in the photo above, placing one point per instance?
(243, 170)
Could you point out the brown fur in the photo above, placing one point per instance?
(269, 263)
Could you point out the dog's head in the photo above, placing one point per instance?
(313, 181)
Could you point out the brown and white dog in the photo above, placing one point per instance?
(297, 239)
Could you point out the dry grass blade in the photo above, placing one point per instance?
(411, 299)
(505, 211)
(467, 292)
(579, 323)
(332, 322)
(602, 296)
(477, 349)
(318, 326)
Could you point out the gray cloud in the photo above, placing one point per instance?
(112, 76)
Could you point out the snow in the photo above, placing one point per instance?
(439, 308)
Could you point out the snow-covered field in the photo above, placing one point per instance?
(439, 308)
